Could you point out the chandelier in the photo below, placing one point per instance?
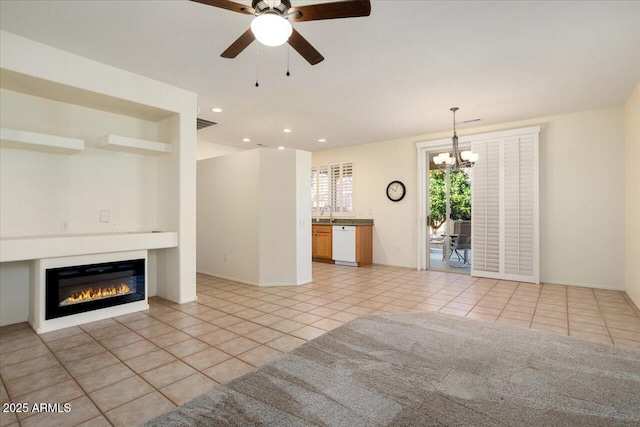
(456, 160)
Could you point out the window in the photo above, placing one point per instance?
(333, 185)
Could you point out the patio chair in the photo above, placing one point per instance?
(461, 240)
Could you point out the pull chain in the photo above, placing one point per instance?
(257, 59)
(288, 50)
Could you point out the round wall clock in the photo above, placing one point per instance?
(396, 191)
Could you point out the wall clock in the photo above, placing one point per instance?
(396, 191)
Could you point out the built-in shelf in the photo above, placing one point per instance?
(37, 247)
(14, 138)
(133, 145)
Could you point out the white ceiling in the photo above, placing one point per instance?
(391, 75)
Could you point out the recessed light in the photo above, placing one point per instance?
(287, 130)
(216, 110)
(322, 140)
(281, 148)
(246, 140)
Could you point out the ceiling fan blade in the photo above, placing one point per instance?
(340, 9)
(229, 5)
(304, 48)
(239, 45)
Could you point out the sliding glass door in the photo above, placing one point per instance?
(449, 220)
(504, 208)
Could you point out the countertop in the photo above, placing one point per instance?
(342, 221)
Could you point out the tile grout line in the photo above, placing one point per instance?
(533, 315)
(603, 317)
(74, 378)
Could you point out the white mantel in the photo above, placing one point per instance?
(42, 252)
(61, 245)
(37, 291)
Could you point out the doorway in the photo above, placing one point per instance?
(505, 204)
(449, 219)
(444, 207)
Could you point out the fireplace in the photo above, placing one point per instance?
(84, 288)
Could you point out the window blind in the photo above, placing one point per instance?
(519, 227)
(485, 211)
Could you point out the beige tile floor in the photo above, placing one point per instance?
(126, 370)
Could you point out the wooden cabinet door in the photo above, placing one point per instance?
(321, 242)
(323, 246)
(314, 245)
(364, 245)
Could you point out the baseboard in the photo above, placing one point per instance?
(220, 276)
(636, 302)
(583, 285)
(246, 282)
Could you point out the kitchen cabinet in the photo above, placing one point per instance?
(354, 244)
(322, 243)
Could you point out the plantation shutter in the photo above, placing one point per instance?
(505, 209)
(346, 187)
(485, 211)
(336, 188)
(333, 185)
(323, 186)
(519, 208)
(314, 189)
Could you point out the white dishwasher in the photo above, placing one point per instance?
(344, 245)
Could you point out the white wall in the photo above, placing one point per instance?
(632, 192)
(277, 217)
(249, 223)
(207, 150)
(303, 216)
(176, 208)
(227, 209)
(581, 195)
(39, 191)
(14, 291)
(582, 199)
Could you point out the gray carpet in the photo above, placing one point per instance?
(429, 369)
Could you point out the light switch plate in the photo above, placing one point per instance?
(104, 216)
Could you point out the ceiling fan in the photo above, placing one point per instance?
(271, 24)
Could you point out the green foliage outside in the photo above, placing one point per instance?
(460, 197)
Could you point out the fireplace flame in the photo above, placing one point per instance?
(93, 294)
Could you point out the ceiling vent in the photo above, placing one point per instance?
(202, 123)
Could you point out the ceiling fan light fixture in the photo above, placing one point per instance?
(271, 29)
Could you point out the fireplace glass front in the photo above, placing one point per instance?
(72, 290)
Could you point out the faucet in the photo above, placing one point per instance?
(330, 212)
